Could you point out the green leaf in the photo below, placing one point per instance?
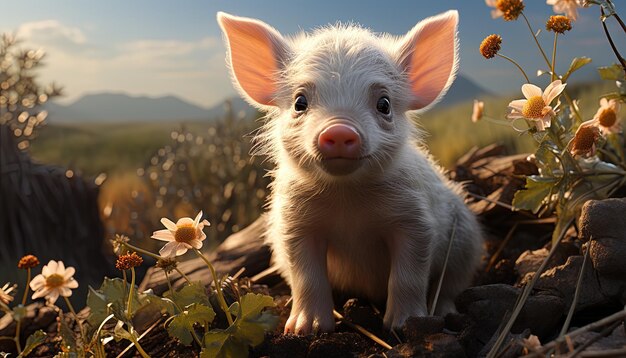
(112, 297)
(576, 64)
(533, 197)
(222, 344)
(253, 303)
(182, 324)
(252, 329)
(188, 294)
(248, 329)
(33, 341)
(611, 73)
(67, 336)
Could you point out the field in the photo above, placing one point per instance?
(120, 149)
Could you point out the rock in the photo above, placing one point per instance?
(603, 223)
(363, 315)
(529, 261)
(443, 345)
(514, 349)
(488, 305)
(561, 281)
(603, 218)
(416, 329)
(405, 350)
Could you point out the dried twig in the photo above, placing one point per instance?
(362, 330)
(433, 306)
(524, 295)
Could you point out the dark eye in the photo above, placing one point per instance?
(301, 104)
(383, 105)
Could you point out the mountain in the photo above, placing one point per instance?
(118, 107)
(463, 89)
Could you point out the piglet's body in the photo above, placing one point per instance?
(357, 205)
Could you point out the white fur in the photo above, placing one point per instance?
(381, 231)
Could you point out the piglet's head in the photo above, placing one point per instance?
(336, 99)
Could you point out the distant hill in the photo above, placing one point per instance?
(463, 89)
(119, 107)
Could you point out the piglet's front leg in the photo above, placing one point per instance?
(408, 280)
(312, 309)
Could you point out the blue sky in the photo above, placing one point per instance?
(161, 47)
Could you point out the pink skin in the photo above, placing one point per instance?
(339, 141)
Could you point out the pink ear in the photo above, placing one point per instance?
(428, 54)
(254, 51)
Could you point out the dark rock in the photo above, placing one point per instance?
(513, 345)
(603, 223)
(603, 218)
(415, 329)
(465, 329)
(443, 345)
(338, 345)
(561, 281)
(488, 305)
(529, 261)
(405, 350)
(362, 314)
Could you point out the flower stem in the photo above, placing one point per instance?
(180, 309)
(532, 32)
(125, 282)
(608, 36)
(516, 64)
(218, 288)
(26, 287)
(553, 74)
(183, 275)
(142, 251)
(620, 21)
(18, 328)
(138, 346)
(130, 294)
(80, 324)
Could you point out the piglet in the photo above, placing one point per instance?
(357, 204)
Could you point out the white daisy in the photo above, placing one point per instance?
(567, 7)
(6, 295)
(185, 234)
(54, 280)
(607, 116)
(536, 107)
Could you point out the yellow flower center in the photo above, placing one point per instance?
(607, 117)
(533, 108)
(185, 234)
(55, 280)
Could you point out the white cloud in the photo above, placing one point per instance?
(51, 31)
(193, 70)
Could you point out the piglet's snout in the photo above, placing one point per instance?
(339, 141)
